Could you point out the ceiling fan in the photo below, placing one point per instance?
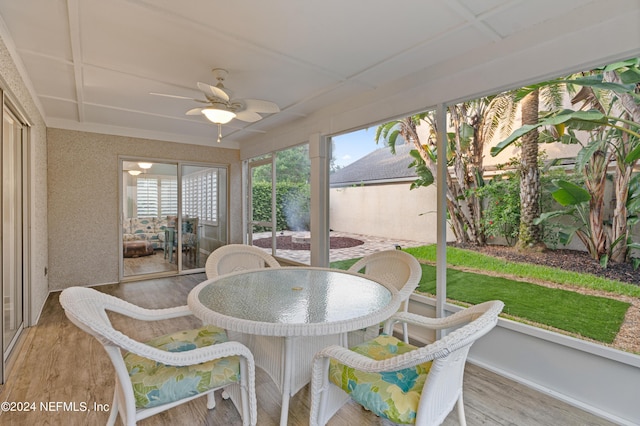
(221, 108)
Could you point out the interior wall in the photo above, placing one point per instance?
(83, 199)
(18, 94)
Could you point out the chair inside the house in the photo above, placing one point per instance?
(167, 371)
(237, 257)
(398, 381)
(190, 239)
(394, 267)
(169, 242)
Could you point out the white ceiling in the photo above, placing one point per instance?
(92, 64)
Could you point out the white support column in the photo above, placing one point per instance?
(441, 213)
(320, 155)
(244, 179)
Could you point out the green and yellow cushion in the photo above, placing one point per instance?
(391, 395)
(155, 383)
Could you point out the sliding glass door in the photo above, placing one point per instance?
(279, 203)
(12, 253)
(150, 211)
(204, 218)
(173, 216)
(261, 202)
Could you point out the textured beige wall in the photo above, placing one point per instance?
(12, 84)
(391, 210)
(84, 199)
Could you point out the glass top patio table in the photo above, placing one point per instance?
(295, 301)
(303, 308)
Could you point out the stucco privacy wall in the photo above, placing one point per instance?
(14, 87)
(386, 210)
(84, 200)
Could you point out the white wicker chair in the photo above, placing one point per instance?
(87, 308)
(237, 257)
(442, 380)
(394, 267)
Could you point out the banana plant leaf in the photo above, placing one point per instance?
(634, 155)
(576, 120)
(568, 193)
(596, 82)
(550, 215)
(559, 121)
(628, 70)
(634, 246)
(425, 177)
(630, 76)
(632, 62)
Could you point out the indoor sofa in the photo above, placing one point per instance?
(149, 229)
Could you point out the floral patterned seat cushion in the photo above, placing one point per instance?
(155, 383)
(391, 395)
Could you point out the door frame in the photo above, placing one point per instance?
(180, 164)
(249, 222)
(8, 104)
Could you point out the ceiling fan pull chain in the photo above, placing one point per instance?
(219, 132)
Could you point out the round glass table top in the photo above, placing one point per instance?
(294, 296)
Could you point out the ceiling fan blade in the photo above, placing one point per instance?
(179, 97)
(258, 105)
(195, 111)
(213, 91)
(248, 116)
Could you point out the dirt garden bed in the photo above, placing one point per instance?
(286, 242)
(570, 260)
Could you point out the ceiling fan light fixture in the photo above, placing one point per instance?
(134, 172)
(218, 116)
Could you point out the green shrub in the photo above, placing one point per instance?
(292, 205)
(501, 212)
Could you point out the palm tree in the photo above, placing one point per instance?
(529, 234)
(600, 95)
(471, 124)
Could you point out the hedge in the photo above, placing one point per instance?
(292, 205)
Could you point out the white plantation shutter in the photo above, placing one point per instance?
(147, 195)
(156, 197)
(200, 195)
(168, 197)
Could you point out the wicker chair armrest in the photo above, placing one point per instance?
(481, 319)
(359, 265)
(145, 314)
(421, 321)
(484, 314)
(90, 303)
(461, 317)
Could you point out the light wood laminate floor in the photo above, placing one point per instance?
(60, 364)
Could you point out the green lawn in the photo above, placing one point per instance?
(594, 317)
(479, 261)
